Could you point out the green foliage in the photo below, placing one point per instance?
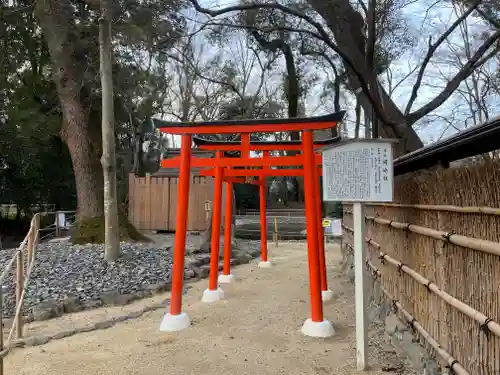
(247, 196)
(35, 165)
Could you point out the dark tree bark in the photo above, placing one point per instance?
(82, 136)
(292, 94)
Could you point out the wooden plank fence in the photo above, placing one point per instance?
(153, 202)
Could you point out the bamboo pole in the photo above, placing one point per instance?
(31, 241)
(276, 231)
(36, 225)
(58, 230)
(472, 313)
(484, 246)
(19, 291)
(444, 208)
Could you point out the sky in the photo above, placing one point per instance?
(425, 20)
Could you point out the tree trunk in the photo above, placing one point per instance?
(82, 139)
(108, 160)
(85, 159)
(358, 119)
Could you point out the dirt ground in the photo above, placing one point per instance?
(256, 330)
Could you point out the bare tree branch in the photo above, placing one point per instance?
(432, 49)
(321, 34)
(454, 83)
(492, 21)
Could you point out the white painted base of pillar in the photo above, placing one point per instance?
(327, 295)
(226, 279)
(174, 323)
(266, 264)
(318, 329)
(210, 296)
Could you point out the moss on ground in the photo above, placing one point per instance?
(91, 230)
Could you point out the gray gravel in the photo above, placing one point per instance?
(62, 270)
(68, 278)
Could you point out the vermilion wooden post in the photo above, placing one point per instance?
(312, 228)
(181, 226)
(264, 262)
(321, 240)
(263, 220)
(176, 320)
(226, 276)
(213, 293)
(315, 326)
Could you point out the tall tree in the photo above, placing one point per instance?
(69, 28)
(82, 136)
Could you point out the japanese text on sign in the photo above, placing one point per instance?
(358, 171)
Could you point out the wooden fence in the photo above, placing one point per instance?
(153, 202)
(436, 251)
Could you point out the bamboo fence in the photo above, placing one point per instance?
(436, 251)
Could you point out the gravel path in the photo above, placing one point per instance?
(255, 331)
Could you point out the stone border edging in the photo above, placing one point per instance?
(37, 340)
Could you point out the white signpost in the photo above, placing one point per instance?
(359, 171)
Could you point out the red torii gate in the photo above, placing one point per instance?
(265, 147)
(176, 319)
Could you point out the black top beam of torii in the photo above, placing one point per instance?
(209, 142)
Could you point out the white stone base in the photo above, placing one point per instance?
(266, 264)
(327, 295)
(226, 279)
(318, 329)
(210, 296)
(174, 323)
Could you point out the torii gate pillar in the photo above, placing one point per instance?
(176, 320)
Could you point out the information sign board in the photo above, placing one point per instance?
(358, 171)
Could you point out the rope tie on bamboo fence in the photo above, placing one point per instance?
(367, 265)
(395, 305)
(428, 286)
(381, 257)
(446, 237)
(400, 267)
(373, 243)
(485, 329)
(411, 324)
(450, 366)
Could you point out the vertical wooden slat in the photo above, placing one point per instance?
(131, 199)
(148, 201)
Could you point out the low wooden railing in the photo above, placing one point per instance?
(24, 254)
